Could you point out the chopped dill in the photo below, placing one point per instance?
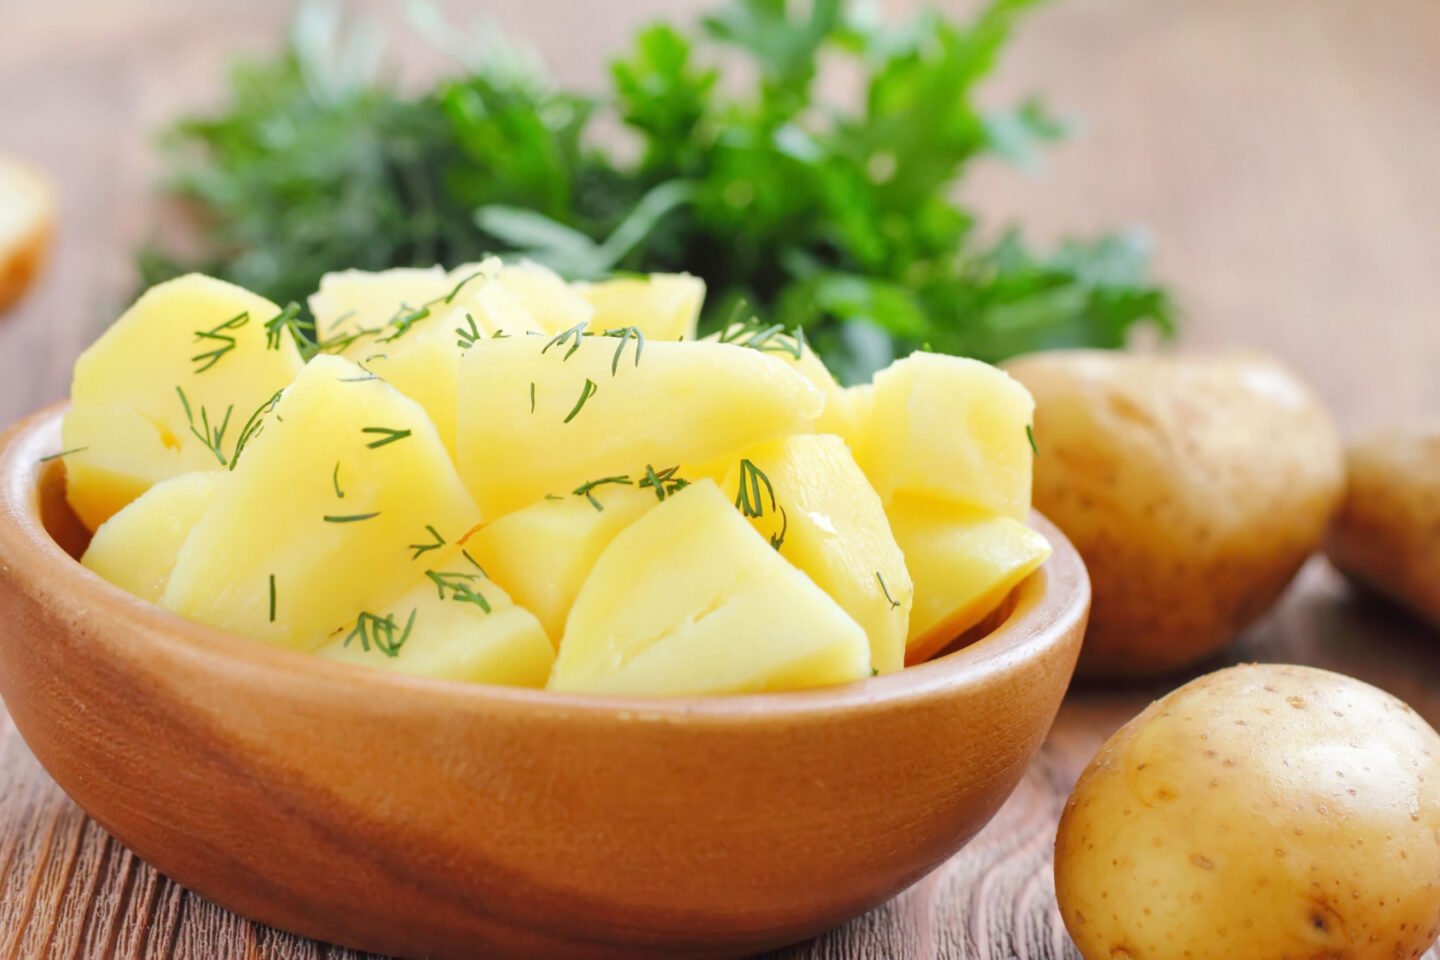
(1030, 435)
(626, 334)
(587, 490)
(459, 586)
(423, 548)
(380, 631)
(532, 396)
(767, 339)
(571, 336)
(272, 598)
(748, 497)
(474, 563)
(386, 435)
(469, 333)
(586, 392)
(350, 518)
(335, 481)
(893, 602)
(253, 425)
(217, 333)
(663, 482)
(287, 319)
(62, 453)
(212, 437)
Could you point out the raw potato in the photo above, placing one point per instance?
(27, 225)
(1259, 812)
(1194, 487)
(1387, 534)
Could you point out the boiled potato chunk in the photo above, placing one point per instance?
(602, 408)
(542, 553)
(346, 494)
(952, 429)
(965, 561)
(545, 296)
(689, 600)
(816, 505)
(136, 548)
(193, 360)
(433, 631)
(1258, 812)
(28, 208)
(1387, 533)
(663, 306)
(1193, 486)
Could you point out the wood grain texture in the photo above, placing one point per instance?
(1281, 153)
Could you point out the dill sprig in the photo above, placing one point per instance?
(893, 602)
(341, 341)
(423, 548)
(205, 361)
(1030, 435)
(254, 425)
(752, 504)
(474, 563)
(335, 482)
(572, 336)
(459, 585)
(771, 338)
(386, 434)
(272, 598)
(663, 482)
(381, 633)
(287, 319)
(469, 333)
(586, 392)
(587, 490)
(350, 517)
(212, 437)
(63, 453)
(626, 334)
(407, 316)
(532, 396)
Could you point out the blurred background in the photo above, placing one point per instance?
(1279, 153)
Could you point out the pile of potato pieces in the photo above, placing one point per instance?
(490, 475)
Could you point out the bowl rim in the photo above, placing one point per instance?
(1047, 607)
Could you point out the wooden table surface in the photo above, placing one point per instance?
(1281, 152)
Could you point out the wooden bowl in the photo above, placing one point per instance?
(426, 818)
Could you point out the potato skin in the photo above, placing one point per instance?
(1265, 812)
(1387, 534)
(1194, 487)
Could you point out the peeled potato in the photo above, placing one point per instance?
(1194, 487)
(1257, 812)
(27, 223)
(1387, 534)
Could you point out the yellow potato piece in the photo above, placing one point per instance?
(597, 412)
(964, 560)
(331, 504)
(953, 429)
(551, 301)
(542, 554)
(136, 548)
(27, 226)
(191, 358)
(828, 522)
(663, 306)
(433, 631)
(350, 301)
(689, 600)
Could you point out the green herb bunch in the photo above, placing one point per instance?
(837, 219)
